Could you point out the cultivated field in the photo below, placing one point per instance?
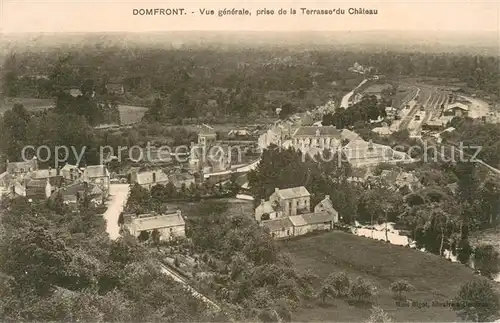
(31, 104)
(131, 114)
(434, 278)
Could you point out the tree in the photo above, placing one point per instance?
(486, 260)
(401, 286)
(477, 301)
(361, 290)
(35, 258)
(378, 315)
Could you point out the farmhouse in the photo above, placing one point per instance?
(169, 226)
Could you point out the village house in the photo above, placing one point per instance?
(169, 226)
(38, 189)
(404, 182)
(150, 178)
(98, 175)
(74, 194)
(360, 175)
(70, 172)
(22, 167)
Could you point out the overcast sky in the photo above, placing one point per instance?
(114, 15)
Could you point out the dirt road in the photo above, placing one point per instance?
(118, 199)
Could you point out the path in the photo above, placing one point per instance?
(118, 199)
(194, 292)
(345, 100)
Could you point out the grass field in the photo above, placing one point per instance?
(31, 104)
(434, 278)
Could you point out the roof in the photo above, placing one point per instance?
(36, 183)
(95, 171)
(349, 135)
(277, 224)
(69, 167)
(180, 177)
(359, 153)
(312, 131)
(73, 189)
(265, 207)
(458, 105)
(293, 192)
(150, 222)
(75, 92)
(207, 130)
(44, 173)
(13, 167)
(147, 177)
(382, 130)
(326, 203)
(320, 217)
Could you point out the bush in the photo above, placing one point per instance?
(340, 284)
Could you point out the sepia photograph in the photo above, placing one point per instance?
(224, 161)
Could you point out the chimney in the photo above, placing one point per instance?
(327, 197)
(276, 190)
(179, 213)
(262, 201)
(370, 144)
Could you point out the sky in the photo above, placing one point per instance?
(19, 16)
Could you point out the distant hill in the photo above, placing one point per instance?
(486, 43)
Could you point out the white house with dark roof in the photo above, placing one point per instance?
(169, 226)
